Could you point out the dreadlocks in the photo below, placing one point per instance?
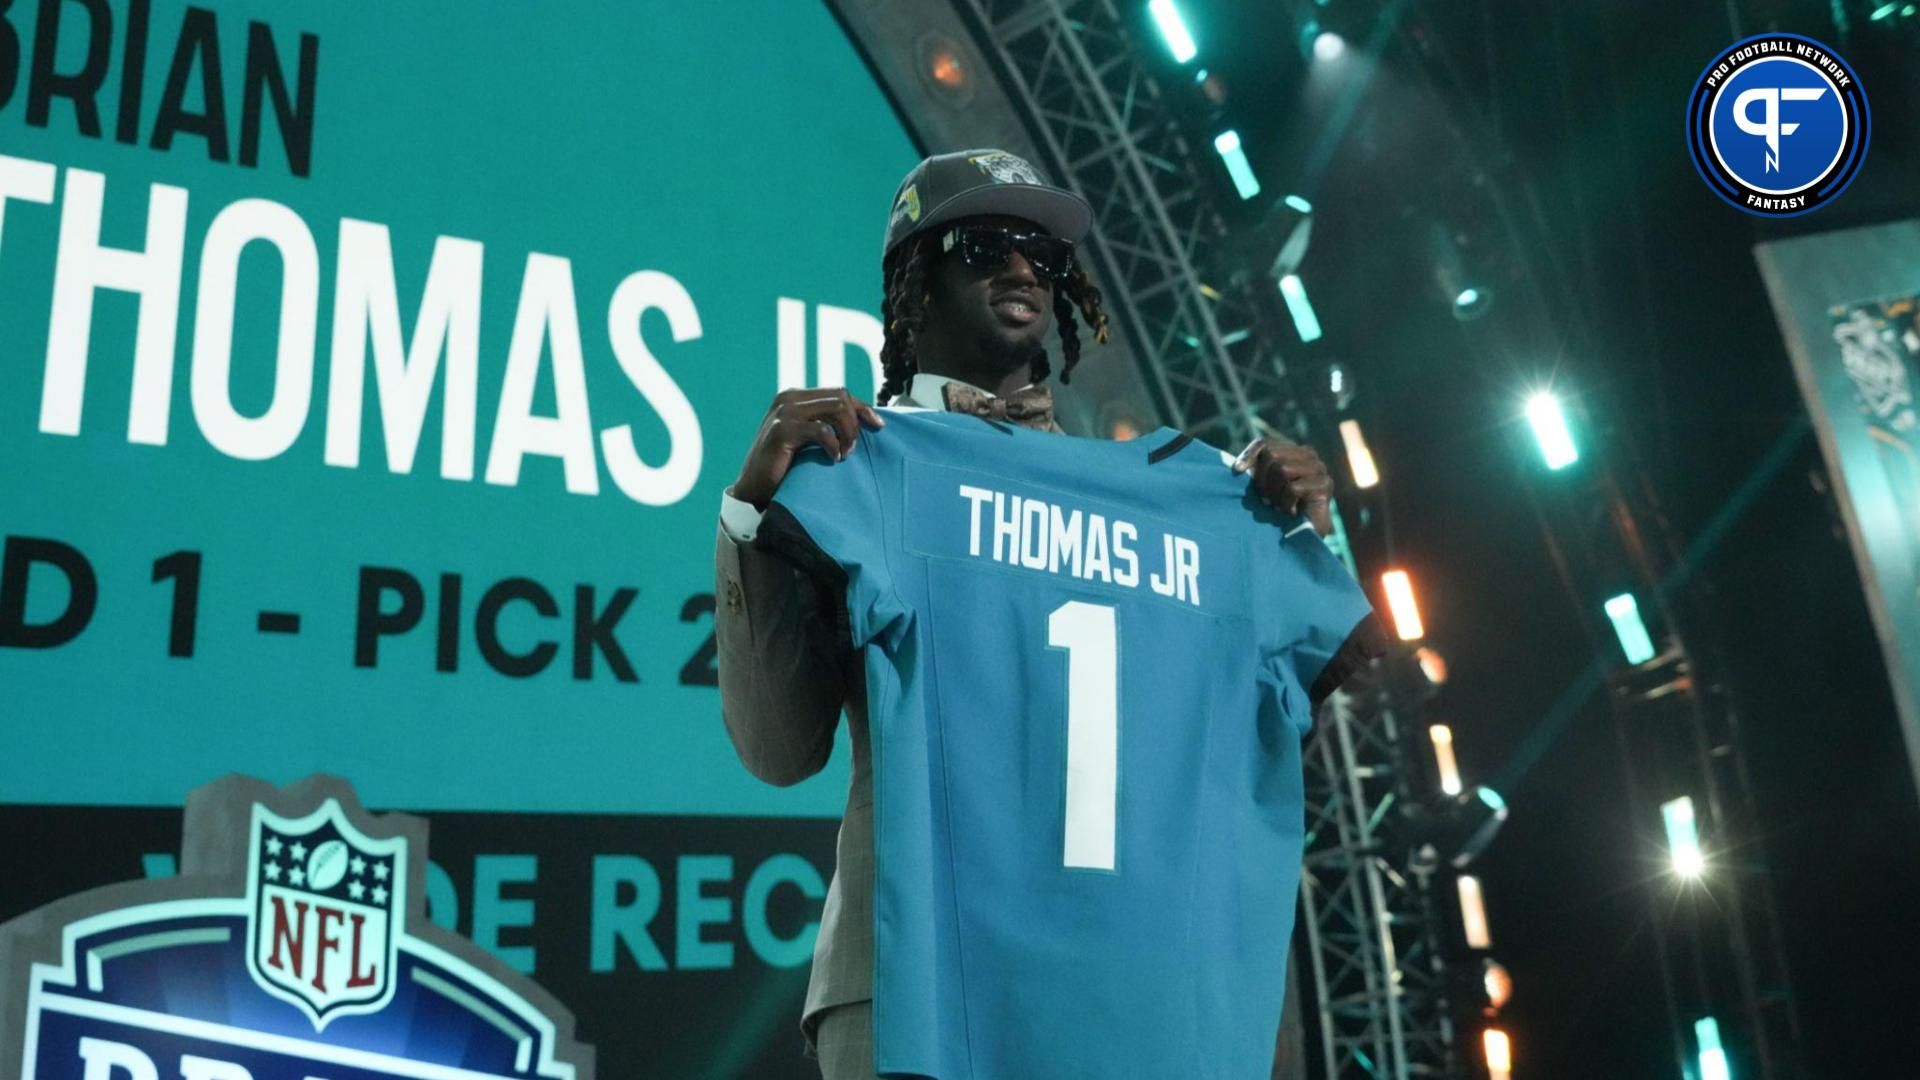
(903, 313)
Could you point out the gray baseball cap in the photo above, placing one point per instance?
(969, 182)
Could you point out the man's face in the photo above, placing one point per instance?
(1004, 312)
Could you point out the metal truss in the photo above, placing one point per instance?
(1205, 337)
(1370, 924)
(1205, 328)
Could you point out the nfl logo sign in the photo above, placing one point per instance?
(320, 904)
(326, 904)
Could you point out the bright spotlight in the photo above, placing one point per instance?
(1305, 322)
(1713, 1058)
(1402, 605)
(1550, 430)
(1442, 737)
(1624, 613)
(1499, 1054)
(1473, 913)
(1683, 838)
(1174, 29)
(1432, 664)
(1329, 46)
(1498, 982)
(1227, 144)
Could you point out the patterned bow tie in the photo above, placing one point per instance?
(1029, 406)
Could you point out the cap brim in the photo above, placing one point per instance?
(1060, 212)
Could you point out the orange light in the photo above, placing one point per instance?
(946, 70)
(1499, 985)
(1499, 1054)
(1359, 456)
(1402, 605)
(1124, 431)
(1473, 913)
(1432, 664)
(1442, 737)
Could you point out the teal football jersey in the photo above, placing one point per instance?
(1089, 668)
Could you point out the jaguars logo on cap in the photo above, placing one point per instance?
(1004, 168)
(908, 204)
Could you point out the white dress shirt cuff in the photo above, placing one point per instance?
(738, 519)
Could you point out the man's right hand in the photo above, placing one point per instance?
(828, 417)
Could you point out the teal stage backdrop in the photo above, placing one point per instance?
(369, 376)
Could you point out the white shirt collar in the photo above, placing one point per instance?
(929, 389)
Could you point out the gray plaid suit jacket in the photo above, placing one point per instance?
(785, 679)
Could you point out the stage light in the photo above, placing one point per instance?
(1550, 430)
(1442, 737)
(1459, 274)
(1432, 664)
(1473, 913)
(1119, 418)
(1499, 984)
(1287, 219)
(1713, 1059)
(1304, 320)
(1499, 1054)
(1328, 45)
(1401, 603)
(1360, 460)
(1227, 144)
(1683, 837)
(1174, 29)
(1471, 302)
(1340, 385)
(1628, 627)
(1882, 12)
(1453, 830)
(945, 68)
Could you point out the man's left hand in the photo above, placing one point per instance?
(1292, 479)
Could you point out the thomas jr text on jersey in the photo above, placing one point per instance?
(1039, 535)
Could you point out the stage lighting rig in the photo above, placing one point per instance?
(1234, 157)
(1339, 386)
(1499, 1052)
(1360, 461)
(1470, 296)
(1403, 605)
(1683, 838)
(1475, 928)
(1173, 30)
(1549, 423)
(1452, 830)
(946, 68)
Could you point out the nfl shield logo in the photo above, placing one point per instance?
(325, 908)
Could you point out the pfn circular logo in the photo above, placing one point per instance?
(1778, 125)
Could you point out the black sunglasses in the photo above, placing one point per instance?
(988, 247)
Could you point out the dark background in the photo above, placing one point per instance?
(1547, 140)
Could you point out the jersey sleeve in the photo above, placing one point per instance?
(1318, 623)
(830, 519)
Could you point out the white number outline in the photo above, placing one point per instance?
(1089, 634)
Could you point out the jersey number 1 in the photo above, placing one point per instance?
(1087, 632)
